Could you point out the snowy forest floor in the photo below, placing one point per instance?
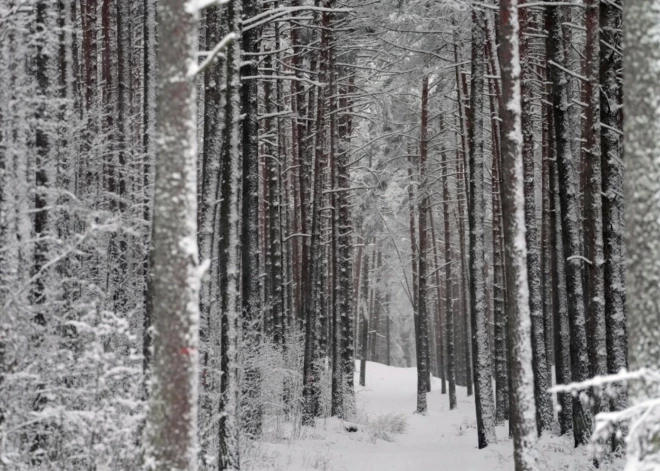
(441, 440)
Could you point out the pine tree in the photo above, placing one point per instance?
(611, 117)
(172, 421)
(542, 380)
(482, 370)
(513, 211)
(570, 225)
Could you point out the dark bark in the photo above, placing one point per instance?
(501, 363)
(542, 379)
(570, 225)
(593, 215)
(480, 344)
(449, 303)
(513, 214)
(423, 203)
(612, 168)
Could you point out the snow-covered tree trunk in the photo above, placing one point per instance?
(440, 341)
(364, 316)
(172, 421)
(611, 116)
(546, 228)
(570, 225)
(499, 305)
(346, 301)
(206, 218)
(515, 250)
(228, 254)
(414, 249)
(449, 303)
(149, 67)
(482, 369)
(559, 300)
(542, 378)
(250, 280)
(593, 214)
(461, 191)
(422, 201)
(313, 288)
(642, 150)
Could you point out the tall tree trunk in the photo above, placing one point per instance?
(612, 168)
(570, 225)
(346, 301)
(559, 300)
(148, 112)
(250, 291)
(228, 255)
(513, 210)
(482, 368)
(641, 128)
(421, 379)
(439, 328)
(423, 203)
(461, 191)
(172, 419)
(313, 289)
(501, 363)
(593, 216)
(449, 303)
(542, 380)
(364, 317)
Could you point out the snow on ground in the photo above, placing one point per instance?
(441, 440)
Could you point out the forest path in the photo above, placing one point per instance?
(440, 440)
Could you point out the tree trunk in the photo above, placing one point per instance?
(499, 308)
(482, 368)
(641, 128)
(423, 203)
(439, 328)
(593, 216)
(513, 210)
(570, 225)
(542, 380)
(612, 168)
(172, 418)
(228, 255)
(449, 303)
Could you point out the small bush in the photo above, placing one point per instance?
(386, 427)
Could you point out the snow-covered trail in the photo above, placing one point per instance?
(441, 440)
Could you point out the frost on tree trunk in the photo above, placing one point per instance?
(421, 379)
(250, 295)
(570, 227)
(542, 380)
(499, 304)
(449, 304)
(593, 218)
(559, 303)
(481, 351)
(439, 328)
(642, 150)
(228, 255)
(560, 321)
(422, 200)
(172, 419)
(522, 414)
(612, 169)
(363, 315)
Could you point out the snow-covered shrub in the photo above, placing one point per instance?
(387, 426)
(638, 424)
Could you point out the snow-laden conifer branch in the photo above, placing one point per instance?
(211, 55)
